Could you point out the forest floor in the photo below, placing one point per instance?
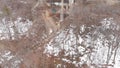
(32, 37)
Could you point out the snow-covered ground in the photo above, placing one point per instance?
(8, 60)
(96, 46)
(14, 28)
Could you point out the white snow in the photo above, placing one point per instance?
(7, 58)
(100, 39)
(24, 2)
(9, 28)
(117, 63)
